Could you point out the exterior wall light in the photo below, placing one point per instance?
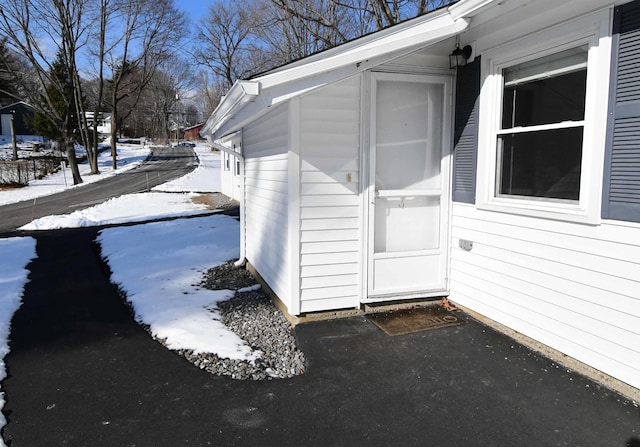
(460, 56)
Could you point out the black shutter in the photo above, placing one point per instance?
(621, 191)
(465, 140)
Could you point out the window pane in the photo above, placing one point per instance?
(541, 164)
(546, 101)
(406, 224)
(408, 135)
(547, 90)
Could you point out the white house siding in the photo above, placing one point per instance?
(573, 287)
(265, 145)
(230, 183)
(330, 210)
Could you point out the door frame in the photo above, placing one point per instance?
(368, 179)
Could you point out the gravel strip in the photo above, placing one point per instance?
(252, 315)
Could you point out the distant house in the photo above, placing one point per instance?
(176, 130)
(374, 172)
(104, 123)
(20, 112)
(193, 133)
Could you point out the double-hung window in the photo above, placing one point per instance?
(543, 121)
(539, 143)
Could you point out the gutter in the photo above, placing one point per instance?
(468, 8)
(242, 259)
(238, 96)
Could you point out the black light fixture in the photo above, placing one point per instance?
(460, 56)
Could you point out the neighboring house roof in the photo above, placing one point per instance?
(21, 112)
(19, 104)
(247, 99)
(194, 127)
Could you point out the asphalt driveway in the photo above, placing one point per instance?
(83, 373)
(162, 165)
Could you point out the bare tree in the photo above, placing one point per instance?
(29, 26)
(239, 40)
(169, 87)
(150, 30)
(390, 12)
(313, 25)
(105, 12)
(208, 94)
(228, 45)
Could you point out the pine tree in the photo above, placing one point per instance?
(60, 92)
(8, 87)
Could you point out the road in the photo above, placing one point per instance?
(164, 164)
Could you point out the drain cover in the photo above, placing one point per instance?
(408, 321)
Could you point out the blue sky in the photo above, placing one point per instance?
(194, 8)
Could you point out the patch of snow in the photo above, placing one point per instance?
(16, 254)
(128, 158)
(124, 209)
(205, 178)
(164, 289)
(250, 288)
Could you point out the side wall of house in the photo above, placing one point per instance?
(265, 145)
(330, 208)
(230, 176)
(572, 286)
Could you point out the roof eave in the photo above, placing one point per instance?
(346, 60)
(238, 96)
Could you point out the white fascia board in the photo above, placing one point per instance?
(341, 62)
(430, 29)
(279, 87)
(238, 96)
(468, 8)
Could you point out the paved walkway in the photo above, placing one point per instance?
(83, 373)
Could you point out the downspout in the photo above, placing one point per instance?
(242, 259)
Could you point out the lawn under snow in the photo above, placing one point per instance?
(129, 156)
(16, 254)
(164, 289)
(146, 206)
(124, 209)
(200, 179)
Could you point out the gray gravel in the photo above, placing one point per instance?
(254, 318)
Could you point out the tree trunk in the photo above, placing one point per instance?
(114, 133)
(71, 157)
(14, 145)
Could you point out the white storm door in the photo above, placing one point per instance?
(408, 193)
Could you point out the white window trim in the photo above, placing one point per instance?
(236, 160)
(593, 30)
(225, 162)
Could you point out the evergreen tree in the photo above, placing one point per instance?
(8, 88)
(60, 92)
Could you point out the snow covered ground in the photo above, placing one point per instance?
(205, 178)
(129, 156)
(124, 209)
(146, 206)
(16, 254)
(164, 288)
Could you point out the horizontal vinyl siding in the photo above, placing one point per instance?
(265, 145)
(330, 207)
(573, 287)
